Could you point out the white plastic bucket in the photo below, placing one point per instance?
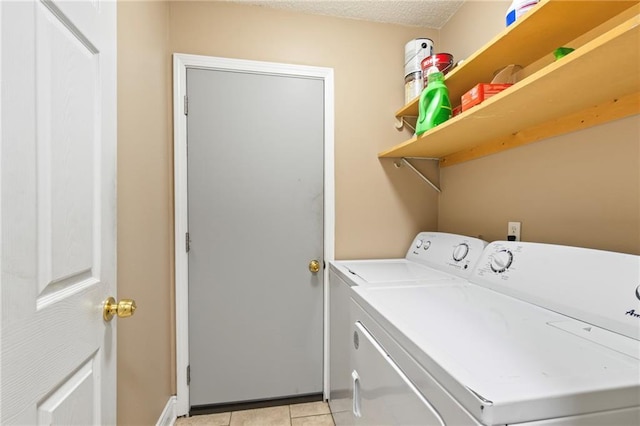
(414, 52)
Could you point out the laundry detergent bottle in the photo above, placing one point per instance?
(434, 106)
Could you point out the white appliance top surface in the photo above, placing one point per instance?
(391, 270)
(506, 351)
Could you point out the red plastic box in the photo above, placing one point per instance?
(481, 92)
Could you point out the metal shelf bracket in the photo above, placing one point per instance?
(401, 122)
(406, 162)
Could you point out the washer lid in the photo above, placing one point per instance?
(392, 270)
(505, 360)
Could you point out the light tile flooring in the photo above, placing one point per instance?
(307, 414)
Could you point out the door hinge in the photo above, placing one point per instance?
(186, 105)
(188, 375)
(187, 242)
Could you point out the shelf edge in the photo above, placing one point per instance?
(612, 110)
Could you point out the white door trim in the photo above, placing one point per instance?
(181, 62)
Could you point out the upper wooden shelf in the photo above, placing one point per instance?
(598, 82)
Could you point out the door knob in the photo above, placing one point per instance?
(123, 309)
(314, 266)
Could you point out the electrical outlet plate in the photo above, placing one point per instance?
(513, 229)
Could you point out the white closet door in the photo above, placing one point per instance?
(57, 211)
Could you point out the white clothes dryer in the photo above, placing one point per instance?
(542, 335)
(433, 258)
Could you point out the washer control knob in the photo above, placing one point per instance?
(418, 243)
(426, 245)
(501, 261)
(460, 252)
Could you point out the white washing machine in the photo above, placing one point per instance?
(433, 258)
(542, 335)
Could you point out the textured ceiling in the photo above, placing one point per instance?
(421, 13)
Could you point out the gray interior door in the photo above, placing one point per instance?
(255, 185)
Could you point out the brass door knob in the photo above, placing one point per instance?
(123, 309)
(314, 266)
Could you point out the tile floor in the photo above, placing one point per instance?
(306, 414)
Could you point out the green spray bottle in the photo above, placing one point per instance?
(434, 106)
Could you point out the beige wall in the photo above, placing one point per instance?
(378, 208)
(579, 189)
(472, 26)
(144, 212)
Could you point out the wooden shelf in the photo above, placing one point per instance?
(598, 82)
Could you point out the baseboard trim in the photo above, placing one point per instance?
(248, 405)
(168, 416)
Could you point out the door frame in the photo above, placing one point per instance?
(182, 62)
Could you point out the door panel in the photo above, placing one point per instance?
(66, 90)
(57, 211)
(79, 390)
(255, 185)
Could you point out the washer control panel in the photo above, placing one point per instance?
(456, 254)
(501, 261)
(460, 252)
(423, 244)
(598, 287)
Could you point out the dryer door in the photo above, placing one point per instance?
(382, 393)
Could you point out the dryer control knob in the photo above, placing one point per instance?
(418, 243)
(460, 252)
(501, 261)
(426, 245)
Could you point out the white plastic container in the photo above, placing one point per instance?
(517, 9)
(414, 52)
(413, 85)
